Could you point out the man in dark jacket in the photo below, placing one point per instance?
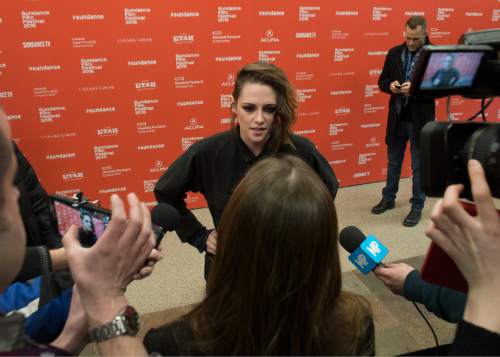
(407, 116)
(45, 252)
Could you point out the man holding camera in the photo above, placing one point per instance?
(407, 115)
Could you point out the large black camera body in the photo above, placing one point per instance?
(472, 70)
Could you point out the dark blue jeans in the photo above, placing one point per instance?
(395, 156)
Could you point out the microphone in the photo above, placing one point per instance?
(164, 218)
(366, 252)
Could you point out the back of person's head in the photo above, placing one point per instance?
(276, 276)
(286, 104)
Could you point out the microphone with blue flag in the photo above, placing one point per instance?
(366, 252)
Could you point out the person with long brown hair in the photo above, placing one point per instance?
(264, 110)
(275, 285)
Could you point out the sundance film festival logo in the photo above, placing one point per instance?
(193, 125)
(269, 56)
(145, 85)
(474, 14)
(73, 176)
(307, 13)
(105, 151)
(142, 107)
(375, 72)
(227, 13)
(32, 19)
(377, 53)
(414, 13)
(269, 37)
(342, 54)
(370, 125)
(149, 185)
(187, 142)
(379, 12)
(48, 114)
(436, 33)
(92, 65)
(229, 82)
(102, 87)
(158, 167)
(36, 44)
(337, 162)
(336, 129)
(371, 90)
(444, 13)
(61, 156)
(226, 100)
(108, 131)
(363, 159)
(134, 16)
(495, 15)
(183, 38)
(183, 61)
(304, 95)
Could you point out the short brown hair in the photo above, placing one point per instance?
(415, 21)
(286, 106)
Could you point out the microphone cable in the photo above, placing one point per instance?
(430, 326)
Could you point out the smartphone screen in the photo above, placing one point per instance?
(91, 225)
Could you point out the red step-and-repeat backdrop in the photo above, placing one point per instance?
(103, 95)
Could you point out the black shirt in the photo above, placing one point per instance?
(213, 167)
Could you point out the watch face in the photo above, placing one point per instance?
(132, 319)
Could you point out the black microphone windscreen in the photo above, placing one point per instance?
(351, 238)
(165, 216)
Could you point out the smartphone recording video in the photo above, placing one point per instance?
(91, 220)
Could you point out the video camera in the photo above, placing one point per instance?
(472, 70)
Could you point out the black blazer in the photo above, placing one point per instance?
(422, 109)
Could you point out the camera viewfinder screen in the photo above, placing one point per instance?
(91, 225)
(447, 70)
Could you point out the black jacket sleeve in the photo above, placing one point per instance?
(325, 172)
(445, 303)
(40, 222)
(472, 340)
(180, 178)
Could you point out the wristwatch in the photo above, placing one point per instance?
(125, 323)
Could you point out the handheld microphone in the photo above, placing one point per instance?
(366, 252)
(164, 218)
